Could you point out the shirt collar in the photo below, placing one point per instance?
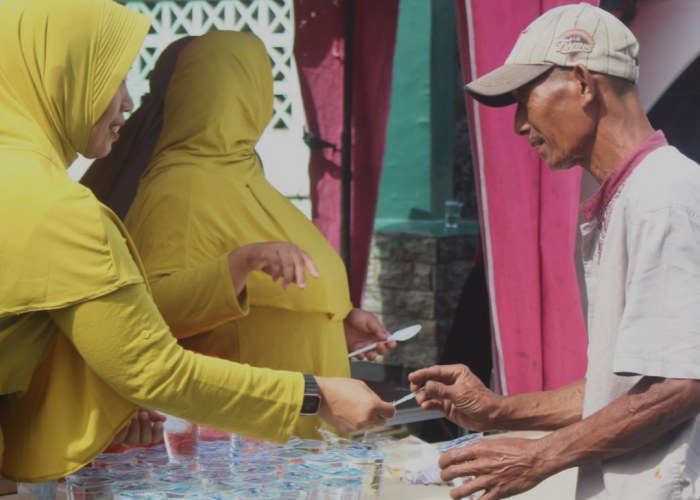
(593, 207)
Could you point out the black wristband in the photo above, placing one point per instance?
(312, 397)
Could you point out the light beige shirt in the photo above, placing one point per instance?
(642, 261)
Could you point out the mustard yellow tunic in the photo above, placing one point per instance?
(81, 341)
(204, 194)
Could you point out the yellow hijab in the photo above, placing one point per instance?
(205, 185)
(61, 63)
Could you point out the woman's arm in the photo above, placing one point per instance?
(125, 341)
(196, 300)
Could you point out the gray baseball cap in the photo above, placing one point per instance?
(564, 36)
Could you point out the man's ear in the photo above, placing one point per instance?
(586, 85)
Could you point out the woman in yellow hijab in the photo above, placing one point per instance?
(204, 197)
(81, 341)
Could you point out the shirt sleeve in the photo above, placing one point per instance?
(126, 342)
(193, 301)
(659, 333)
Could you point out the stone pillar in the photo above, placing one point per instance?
(416, 278)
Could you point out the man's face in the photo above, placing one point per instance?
(551, 114)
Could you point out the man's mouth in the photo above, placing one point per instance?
(536, 142)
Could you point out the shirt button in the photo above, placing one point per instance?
(145, 334)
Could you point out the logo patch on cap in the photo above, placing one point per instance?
(573, 43)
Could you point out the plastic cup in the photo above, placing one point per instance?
(327, 459)
(253, 470)
(134, 487)
(314, 446)
(90, 488)
(147, 455)
(88, 472)
(37, 491)
(292, 490)
(106, 459)
(207, 434)
(179, 490)
(291, 456)
(143, 495)
(180, 440)
(340, 489)
(453, 211)
(373, 462)
(278, 464)
(241, 443)
(247, 493)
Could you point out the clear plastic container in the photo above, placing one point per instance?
(373, 462)
(239, 443)
(180, 440)
(260, 481)
(150, 495)
(37, 491)
(107, 459)
(327, 459)
(253, 470)
(88, 472)
(340, 489)
(216, 475)
(291, 455)
(310, 445)
(249, 493)
(292, 490)
(90, 488)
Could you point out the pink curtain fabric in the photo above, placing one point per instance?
(528, 219)
(319, 53)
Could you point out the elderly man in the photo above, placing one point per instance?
(631, 425)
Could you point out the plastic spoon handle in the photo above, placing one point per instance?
(365, 349)
(403, 334)
(407, 397)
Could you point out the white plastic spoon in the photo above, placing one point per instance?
(403, 334)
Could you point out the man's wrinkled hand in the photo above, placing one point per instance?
(501, 467)
(459, 394)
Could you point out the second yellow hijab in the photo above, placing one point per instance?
(208, 184)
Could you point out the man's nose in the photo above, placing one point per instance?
(522, 126)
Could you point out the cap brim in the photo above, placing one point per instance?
(495, 89)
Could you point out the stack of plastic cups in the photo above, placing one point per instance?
(38, 491)
(373, 462)
(340, 489)
(90, 488)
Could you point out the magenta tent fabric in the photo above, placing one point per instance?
(528, 219)
(319, 53)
